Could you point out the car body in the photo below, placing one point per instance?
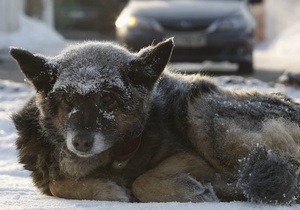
(214, 30)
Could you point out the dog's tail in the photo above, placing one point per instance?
(269, 177)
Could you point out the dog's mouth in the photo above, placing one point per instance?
(86, 144)
(80, 154)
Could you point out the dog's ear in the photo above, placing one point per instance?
(151, 61)
(35, 69)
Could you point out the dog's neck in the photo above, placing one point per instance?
(126, 152)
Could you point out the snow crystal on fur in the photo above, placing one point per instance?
(91, 66)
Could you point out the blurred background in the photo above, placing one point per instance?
(259, 38)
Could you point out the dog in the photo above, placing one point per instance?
(109, 124)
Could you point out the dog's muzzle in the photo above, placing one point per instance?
(86, 144)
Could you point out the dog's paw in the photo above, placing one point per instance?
(179, 188)
(194, 191)
(110, 191)
(89, 189)
(204, 194)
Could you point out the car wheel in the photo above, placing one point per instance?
(246, 67)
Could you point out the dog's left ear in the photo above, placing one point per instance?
(35, 69)
(151, 61)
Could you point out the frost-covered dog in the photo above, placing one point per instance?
(108, 124)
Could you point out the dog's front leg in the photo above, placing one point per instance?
(89, 189)
(177, 178)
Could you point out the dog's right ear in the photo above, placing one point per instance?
(35, 69)
(151, 61)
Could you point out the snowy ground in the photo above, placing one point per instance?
(18, 192)
(34, 36)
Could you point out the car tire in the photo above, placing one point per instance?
(246, 67)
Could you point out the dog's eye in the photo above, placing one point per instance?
(67, 100)
(109, 101)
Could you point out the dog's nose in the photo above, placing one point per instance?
(83, 142)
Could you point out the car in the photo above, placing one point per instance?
(203, 30)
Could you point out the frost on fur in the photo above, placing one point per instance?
(268, 176)
(85, 75)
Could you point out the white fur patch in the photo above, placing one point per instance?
(73, 111)
(98, 147)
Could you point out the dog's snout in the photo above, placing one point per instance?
(83, 142)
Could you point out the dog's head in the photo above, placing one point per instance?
(94, 94)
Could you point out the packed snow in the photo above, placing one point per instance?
(281, 53)
(34, 36)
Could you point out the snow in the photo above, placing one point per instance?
(90, 76)
(283, 51)
(108, 115)
(280, 17)
(292, 34)
(34, 36)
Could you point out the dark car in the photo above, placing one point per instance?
(214, 30)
